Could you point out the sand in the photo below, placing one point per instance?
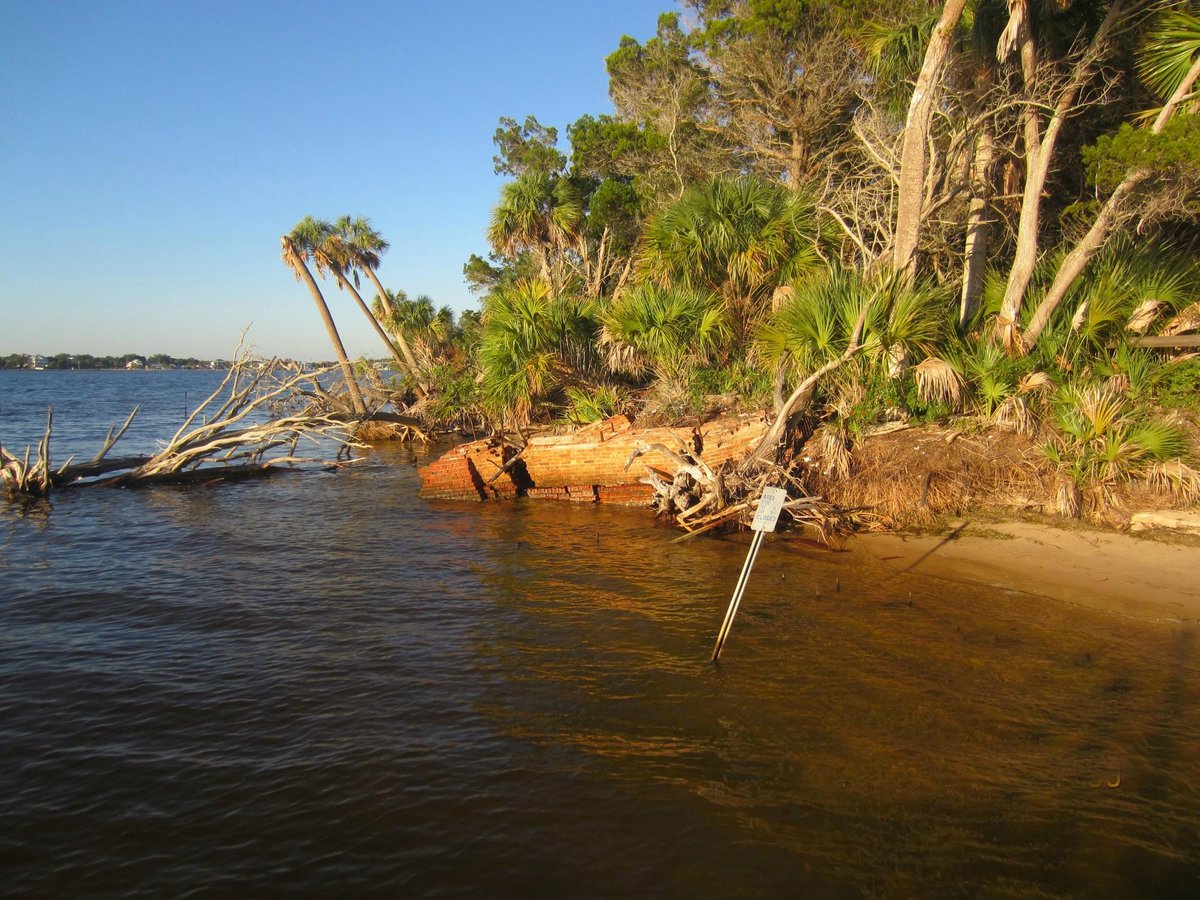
(1152, 578)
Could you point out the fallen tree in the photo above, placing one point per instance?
(250, 426)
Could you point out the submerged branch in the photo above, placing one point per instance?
(237, 434)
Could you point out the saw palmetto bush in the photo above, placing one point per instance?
(533, 344)
(1105, 442)
(663, 331)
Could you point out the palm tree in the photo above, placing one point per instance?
(298, 248)
(336, 255)
(740, 237)
(539, 214)
(365, 245)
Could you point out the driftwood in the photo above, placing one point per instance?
(699, 498)
(230, 435)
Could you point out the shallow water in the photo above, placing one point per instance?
(321, 683)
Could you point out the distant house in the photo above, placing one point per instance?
(136, 363)
(37, 361)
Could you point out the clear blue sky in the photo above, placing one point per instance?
(151, 153)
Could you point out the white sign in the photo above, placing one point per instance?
(769, 506)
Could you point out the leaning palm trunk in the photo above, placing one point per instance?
(298, 266)
(344, 282)
(1077, 260)
(1104, 224)
(409, 359)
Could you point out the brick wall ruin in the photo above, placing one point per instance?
(587, 465)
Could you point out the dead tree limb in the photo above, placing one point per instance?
(231, 434)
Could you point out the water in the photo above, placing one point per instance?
(321, 683)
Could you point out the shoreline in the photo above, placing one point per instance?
(1144, 578)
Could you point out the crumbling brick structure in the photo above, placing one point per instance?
(587, 465)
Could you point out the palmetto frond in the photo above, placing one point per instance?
(815, 323)
(1169, 51)
(531, 340)
(741, 236)
(938, 382)
(661, 328)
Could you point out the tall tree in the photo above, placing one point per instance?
(363, 246)
(298, 247)
(663, 89)
(914, 160)
(531, 147)
(784, 79)
(540, 215)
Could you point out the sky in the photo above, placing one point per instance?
(152, 153)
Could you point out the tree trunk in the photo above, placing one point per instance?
(1078, 259)
(1039, 152)
(1185, 88)
(409, 359)
(913, 159)
(344, 282)
(339, 349)
(979, 221)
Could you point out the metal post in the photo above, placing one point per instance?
(740, 589)
(769, 505)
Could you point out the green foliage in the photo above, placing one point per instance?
(1106, 440)
(735, 377)
(992, 376)
(815, 324)
(532, 341)
(1178, 385)
(603, 147)
(662, 329)
(586, 405)
(531, 147)
(1171, 156)
(616, 207)
(454, 391)
(740, 236)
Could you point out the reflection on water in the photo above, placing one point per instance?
(321, 683)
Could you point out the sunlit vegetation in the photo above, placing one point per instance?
(978, 211)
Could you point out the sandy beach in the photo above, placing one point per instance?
(1150, 578)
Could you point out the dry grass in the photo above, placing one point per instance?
(916, 477)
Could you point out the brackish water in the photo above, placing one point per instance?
(320, 683)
